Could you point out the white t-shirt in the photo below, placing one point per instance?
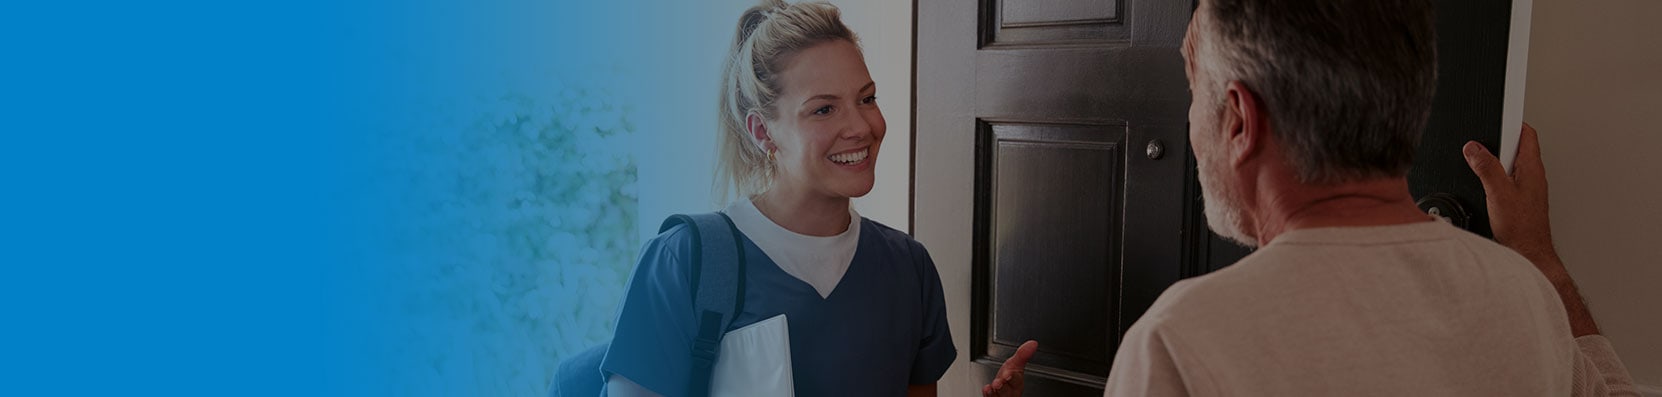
(1420, 309)
(818, 261)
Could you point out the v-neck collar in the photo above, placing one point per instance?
(821, 263)
(861, 254)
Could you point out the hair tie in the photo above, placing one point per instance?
(768, 13)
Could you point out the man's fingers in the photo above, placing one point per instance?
(1487, 168)
(1529, 146)
(1527, 167)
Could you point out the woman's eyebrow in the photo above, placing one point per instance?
(869, 85)
(821, 96)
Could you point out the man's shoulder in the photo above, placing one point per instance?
(1264, 269)
(1196, 299)
(1279, 278)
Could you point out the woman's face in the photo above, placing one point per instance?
(828, 128)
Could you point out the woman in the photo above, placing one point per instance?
(800, 132)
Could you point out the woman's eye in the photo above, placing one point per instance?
(823, 110)
(869, 99)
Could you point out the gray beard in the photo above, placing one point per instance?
(1223, 211)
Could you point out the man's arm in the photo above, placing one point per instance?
(1518, 213)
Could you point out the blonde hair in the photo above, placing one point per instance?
(768, 33)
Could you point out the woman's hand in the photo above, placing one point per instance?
(1008, 381)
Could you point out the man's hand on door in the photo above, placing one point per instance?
(1517, 201)
(1518, 213)
(1008, 381)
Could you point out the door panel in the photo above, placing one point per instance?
(1057, 13)
(1018, 22)
(1050, 232)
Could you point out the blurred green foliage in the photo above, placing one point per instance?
(519, 239)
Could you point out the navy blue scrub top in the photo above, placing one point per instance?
(882, 328)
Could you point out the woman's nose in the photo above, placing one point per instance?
(859, 126)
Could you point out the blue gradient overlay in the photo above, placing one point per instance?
(327, 198)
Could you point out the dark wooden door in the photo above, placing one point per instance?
(1472, 63)
(1053, 180)
(1072, 115)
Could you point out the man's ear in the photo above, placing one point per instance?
(757, 125)
(1246, 128)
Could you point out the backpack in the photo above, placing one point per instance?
(718, 266)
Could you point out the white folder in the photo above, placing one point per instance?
(755, 361)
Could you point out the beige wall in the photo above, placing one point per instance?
(1595, 94)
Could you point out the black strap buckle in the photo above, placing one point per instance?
(708, 342)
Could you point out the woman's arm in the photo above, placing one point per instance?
(1008, 382)
(921, 390)
(655, 324)
(619, 386)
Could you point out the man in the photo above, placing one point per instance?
(1304, 121)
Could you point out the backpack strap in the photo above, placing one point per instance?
(718, 267)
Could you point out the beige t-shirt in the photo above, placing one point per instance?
(1421, 309)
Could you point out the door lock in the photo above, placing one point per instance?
(1446, 208)
(1156, 149)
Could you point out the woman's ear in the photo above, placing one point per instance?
(757, 125)
(1245, 127)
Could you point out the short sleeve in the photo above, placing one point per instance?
(1145, 365)
(1149, 363)
(935, 352)
(1598, 371)
(655, 323)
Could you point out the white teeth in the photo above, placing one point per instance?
(850, 158)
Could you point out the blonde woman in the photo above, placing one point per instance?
(800, 131)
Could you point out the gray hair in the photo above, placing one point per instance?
(1348, 84)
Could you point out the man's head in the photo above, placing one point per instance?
(1333, 92)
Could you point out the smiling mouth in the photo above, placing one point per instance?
(851, 158)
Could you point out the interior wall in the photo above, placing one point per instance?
(1594, 92)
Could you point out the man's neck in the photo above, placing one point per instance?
(1288, 205)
